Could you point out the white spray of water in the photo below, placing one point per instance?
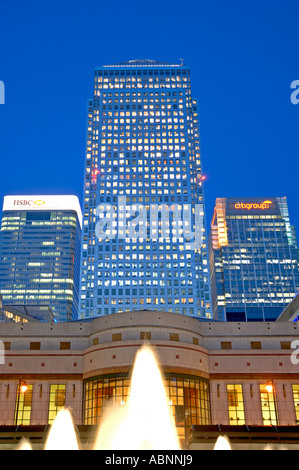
(222, 443)
(24, 444)
(62, 435)
(145, 422)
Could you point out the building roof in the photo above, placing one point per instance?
(44, 203)
(144, 63)
(31, 313)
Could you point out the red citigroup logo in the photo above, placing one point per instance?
(253, 205)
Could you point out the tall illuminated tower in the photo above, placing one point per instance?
(143, 152)
(40, 253)
(254, 258)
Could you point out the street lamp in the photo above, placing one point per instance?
(271, 401)
(24, 387)
(269, 387)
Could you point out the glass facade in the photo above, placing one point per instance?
(40, 260)
(143, 147)
(188, 398)
(254, 261)
(23, 314)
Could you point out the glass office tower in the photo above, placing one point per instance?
(143, 155)
(254, 260)
(40, 241)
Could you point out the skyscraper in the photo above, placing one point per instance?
(143, 157)
(254, 258)
(40, 253)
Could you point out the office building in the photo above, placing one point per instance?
(25, 313)
(254, 260)
(143, 163)
(40, 253)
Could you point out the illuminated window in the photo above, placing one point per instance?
(56, 401)
(23, 405)
(235, 404)
(269, 412)
(296, 400)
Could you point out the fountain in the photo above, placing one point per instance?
(62, 435)
(222, 443)
(145, 422)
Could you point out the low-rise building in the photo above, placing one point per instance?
(216, 373)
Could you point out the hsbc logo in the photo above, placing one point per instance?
(39, 202)
(28, 202)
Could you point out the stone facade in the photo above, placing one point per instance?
(222, 353)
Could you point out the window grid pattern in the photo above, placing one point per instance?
(256, 273)
(268, 403)
(56, 400)
(188, 398)
(235, 401)
(39, 260)
(23, 405)
(143, 144)
(295, 388)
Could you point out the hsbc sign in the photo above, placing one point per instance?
(46, 203)
(28, 202)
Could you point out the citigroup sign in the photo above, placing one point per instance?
(253, 205)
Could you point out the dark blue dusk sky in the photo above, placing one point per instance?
(243, 57)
